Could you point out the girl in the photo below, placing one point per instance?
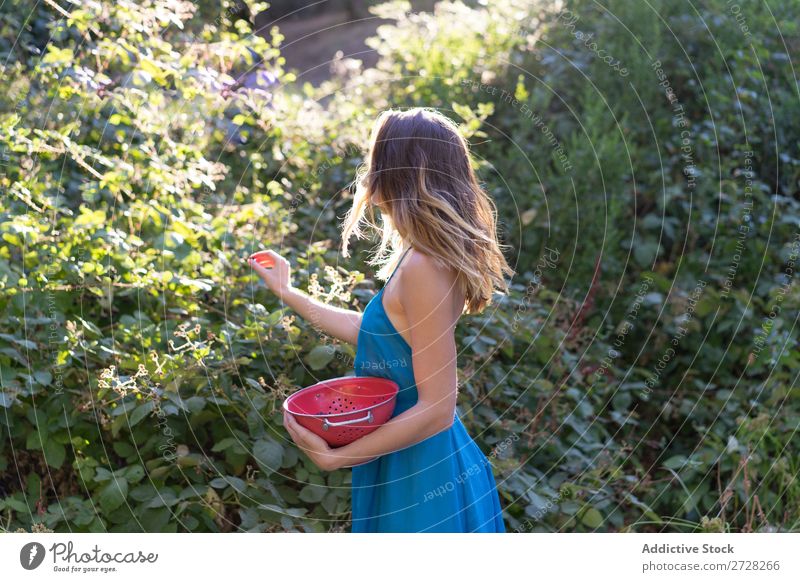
(421, 471)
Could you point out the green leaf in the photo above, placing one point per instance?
(54, 453)
(19, 341)
(143, 492)
(648, 511)
(124, 449)
(320, 356)
(538, 504)
(592, 518)
(268, 454)
(646, 252)
(164, 498)
(330, 502)
(134, 473)
(228, 481)
(33, 440)
(141, 411)
(57, 56)
(153, 520)
(43, 377)
(676, 462)
(34, 485)
(113, 495)
(313, 493)
(225, 444)
(17, 505)
(117, 424)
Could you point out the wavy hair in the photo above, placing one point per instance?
(420, 176)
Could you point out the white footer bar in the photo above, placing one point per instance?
(389, 557)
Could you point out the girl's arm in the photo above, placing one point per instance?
(427, 299)
(340, 323)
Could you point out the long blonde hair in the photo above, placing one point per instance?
(420, 175)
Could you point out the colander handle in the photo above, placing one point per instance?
(326, 424)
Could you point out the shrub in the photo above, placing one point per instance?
(627, 382)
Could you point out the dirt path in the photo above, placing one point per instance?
(311, 42)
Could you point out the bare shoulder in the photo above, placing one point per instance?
(429, 282)
(421, 268)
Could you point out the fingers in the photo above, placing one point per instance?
(271, 253)
(297, 431)
(264, 273)
(303, 438)
(256, 266)
(291, 427)
(266, 258)
(295, 437)
(288, 421)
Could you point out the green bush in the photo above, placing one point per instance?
(627, 382)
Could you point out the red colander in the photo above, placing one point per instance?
(342, 410)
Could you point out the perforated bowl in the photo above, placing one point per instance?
(342, 410)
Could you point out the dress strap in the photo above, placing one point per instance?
(403, 256)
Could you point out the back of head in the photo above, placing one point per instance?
(419, 174)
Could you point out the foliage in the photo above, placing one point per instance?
(626, 383)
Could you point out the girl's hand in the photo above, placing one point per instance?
(311, 444)
(277, 277)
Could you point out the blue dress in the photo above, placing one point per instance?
(442, 484)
